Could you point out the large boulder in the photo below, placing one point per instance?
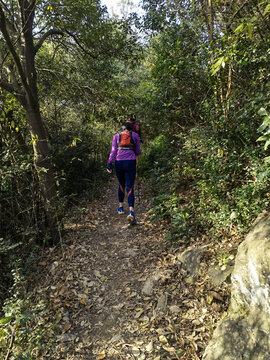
(245, 332)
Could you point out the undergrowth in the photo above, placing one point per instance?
(202, 185)
(25, 332)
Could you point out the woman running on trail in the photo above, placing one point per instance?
(125, 150)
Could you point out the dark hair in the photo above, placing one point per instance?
(132, 117)
(127, 126)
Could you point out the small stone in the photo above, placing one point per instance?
(150, 283)
(148, 287)
(66, 338)
(162, 303)
(116, 338)
(131, 252)
(174, 309)
(135, 351)
(149, 347)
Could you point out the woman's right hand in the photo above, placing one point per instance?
(109, 168)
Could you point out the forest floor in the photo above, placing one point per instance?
(118, 291)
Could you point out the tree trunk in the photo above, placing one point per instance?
(44, 168)
(23, 52)
(42, 159)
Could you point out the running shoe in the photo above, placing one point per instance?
(131, 218)
(120, 210)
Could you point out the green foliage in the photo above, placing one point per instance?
(155, 158)
(25, 324)
(215, 179)
(265, 129)
(178, 77)
(206, 187)
(223, 258)
(18, 193)
(80, 163)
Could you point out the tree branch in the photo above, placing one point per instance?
(80, 45)
(45, 36)
(237, 12)
(11, 343)
(7, 86)
(60, 32)
(12, 49)
(11, 75)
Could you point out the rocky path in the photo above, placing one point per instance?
(118, 293)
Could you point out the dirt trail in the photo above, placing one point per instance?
(117, 292)
(98, 281)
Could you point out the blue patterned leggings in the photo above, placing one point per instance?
(125, 171)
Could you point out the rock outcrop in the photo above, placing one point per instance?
(245, 332)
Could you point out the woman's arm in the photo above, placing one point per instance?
(113, 149)
(137, 144)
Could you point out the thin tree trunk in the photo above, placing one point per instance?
(229, 86)
(43, 165)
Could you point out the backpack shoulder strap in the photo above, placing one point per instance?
(131, 138)
(119, 138)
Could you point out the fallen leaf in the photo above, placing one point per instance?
(144, 324)
(118, 307)
(168, 348)
(66, 328)
(160, 331)
(97, 273)
(135, 351)
(82, 296)
(42, 263)
(149, 347)
(102, 355)
(216, 296)
(61, 290)
(139, 313)
(163, 339)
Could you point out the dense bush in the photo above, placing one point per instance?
(24, 330)
(202, 186)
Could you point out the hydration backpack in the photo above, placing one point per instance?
(125, 141)
(135, 126)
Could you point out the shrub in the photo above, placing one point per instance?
(201, 185)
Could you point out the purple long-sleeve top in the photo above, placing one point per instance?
(122, 154)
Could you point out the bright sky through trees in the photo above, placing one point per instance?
(122, 7)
